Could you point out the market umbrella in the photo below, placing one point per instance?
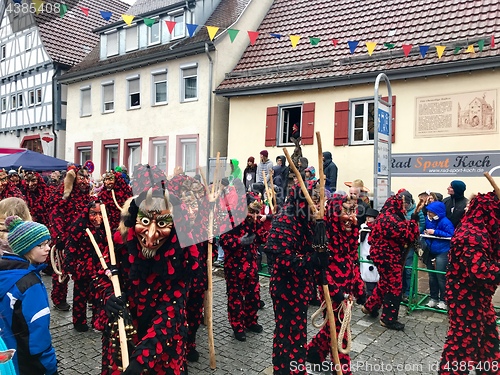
(32, 161)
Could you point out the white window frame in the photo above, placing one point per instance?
(13, 101)
(150, 33)
(38, 96)
(289, 114)
(109, 149)
(363, 125)
(109, 51)
(84, 150)
(31, 98)
(179, 30)
(131, 162)
(20, 100)
(128, 37)
(3, 104)
(154, 76)
(129, 93)
(186, 142)
(157, 145)
(28, 41)
(184, 80)
(83, 91)
(3, 52)
(104, 86)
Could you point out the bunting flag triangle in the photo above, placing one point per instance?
(480, 44)
(371, 47)
(128, 18)
(191, 29)
(470, 49)
(106, 15)
(389, 45)
(407, 49)
(63, 10)
(149, 22)
(253, 36)
(423, 50)
(38, 5)
(212, 30)
(314, 41)
(18, 1)
(457, 50)
(492, 42)
(440, 50)
(85, 10)
(352, 45)
(277, 36)
(335, 42)
(232, 34)
(170, 26)
(295, 40)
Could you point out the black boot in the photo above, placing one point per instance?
(192, 353)
(391, 312)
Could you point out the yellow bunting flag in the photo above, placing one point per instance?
(212, 30)
(38, 5)
(440, 50)
(470, 49)
(371, 47)
(294, 39)
(128, 18)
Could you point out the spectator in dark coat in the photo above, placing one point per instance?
(330, 170)
(249, 173)
(456, 202)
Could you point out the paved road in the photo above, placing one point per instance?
(374, 348)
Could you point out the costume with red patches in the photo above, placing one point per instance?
(292, 280)
(342, 273)
(472, 278)
(122, 192)
(36, 192)
(82, 263)
(156, 282)
(390, 237)
(7, 189)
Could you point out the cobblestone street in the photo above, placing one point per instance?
(374, 348)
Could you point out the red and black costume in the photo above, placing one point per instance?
(155, 272)
(68, 202)
(240, 246)
(341, 274)
(390, 238)
(292, 280)
(82, 262)
(36, 193)
(7, 189)
(114, 182)
(472, 278)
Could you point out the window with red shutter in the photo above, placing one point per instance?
(341, 130)
(308, 123)
(271, 126)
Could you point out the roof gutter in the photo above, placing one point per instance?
(139, 61)
(454, 67)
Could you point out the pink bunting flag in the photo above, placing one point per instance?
(335, 42)
(85, 10)
(492, 42)
(253, 36)
(407, 49)
(170, 26)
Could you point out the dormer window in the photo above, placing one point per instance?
(154, 33)
(112, 43)
(180, 27)
(28, 41)
(131, 38)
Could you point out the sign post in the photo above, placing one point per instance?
(382, 144)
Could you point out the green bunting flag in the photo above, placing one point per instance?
(149, 22)
(314, 41)
(232, 34)
(389, 45)
(480, 44)
(63, 10)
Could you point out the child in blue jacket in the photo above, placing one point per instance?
(439, 226)
(24, 304)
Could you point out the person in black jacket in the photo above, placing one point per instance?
(456, 202)
(330, 170)
(249, 173)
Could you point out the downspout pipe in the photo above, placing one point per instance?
(209, 116)
(56, 102)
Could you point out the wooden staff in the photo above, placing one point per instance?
(114, 280)
(493, 183)
(273, 193)
(309, 200)
(114, 200)
(209, 296)
(268, 192)
(326, 291)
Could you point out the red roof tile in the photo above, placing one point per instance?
(272, 62)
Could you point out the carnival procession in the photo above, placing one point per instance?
(215, 187)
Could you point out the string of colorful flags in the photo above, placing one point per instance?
(294, 39)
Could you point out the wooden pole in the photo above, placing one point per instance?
(326, 291)
(269, 198)
(493, 183)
